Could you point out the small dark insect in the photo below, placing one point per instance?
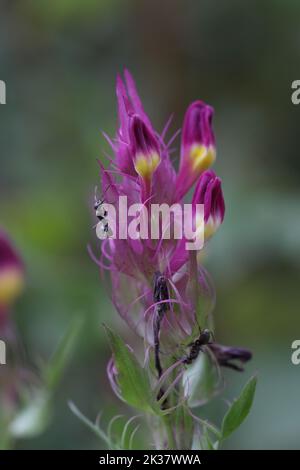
(160, 293)
(195, 347)
(102, 228)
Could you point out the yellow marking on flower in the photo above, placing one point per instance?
(202, 157)
(209, 231)
(146, 165)
(11, 284)
(211, 227)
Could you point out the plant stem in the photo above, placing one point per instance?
(168, 426)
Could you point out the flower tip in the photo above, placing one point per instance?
(209, 193)
(120, 87)
(198, 140)
(198, 150)
(144, 147)
(128, 76)
(197, 126)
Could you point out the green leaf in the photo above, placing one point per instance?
(61, 356)
(35, 412)
(132, 378)
(239, 409)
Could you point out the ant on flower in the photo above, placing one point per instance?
(102, 228)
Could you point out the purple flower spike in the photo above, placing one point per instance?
(197, 146)
(209, 192)
(159, 286)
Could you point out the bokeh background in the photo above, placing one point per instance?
(59, 59)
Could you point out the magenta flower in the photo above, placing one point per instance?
(209, 192)
(129, 104)
(197, 147)
(145, 153)
(11, 275)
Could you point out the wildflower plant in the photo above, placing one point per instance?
(26, 392)
(159, 287)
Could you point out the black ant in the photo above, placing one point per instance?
(102, 228)
(224, 355)
(195, 347)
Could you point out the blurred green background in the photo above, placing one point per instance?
(59, 60)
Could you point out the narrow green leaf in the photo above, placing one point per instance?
(132, 378)
(239, 409)
(61, 356)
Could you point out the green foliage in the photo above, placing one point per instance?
(132, 379)
(239, 409)
(57, 364)
(185, 425)
(36, 411)
(211, 437)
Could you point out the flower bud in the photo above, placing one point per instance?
(209, 192)
(198, 145)
(129, 104)
(144, 148)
